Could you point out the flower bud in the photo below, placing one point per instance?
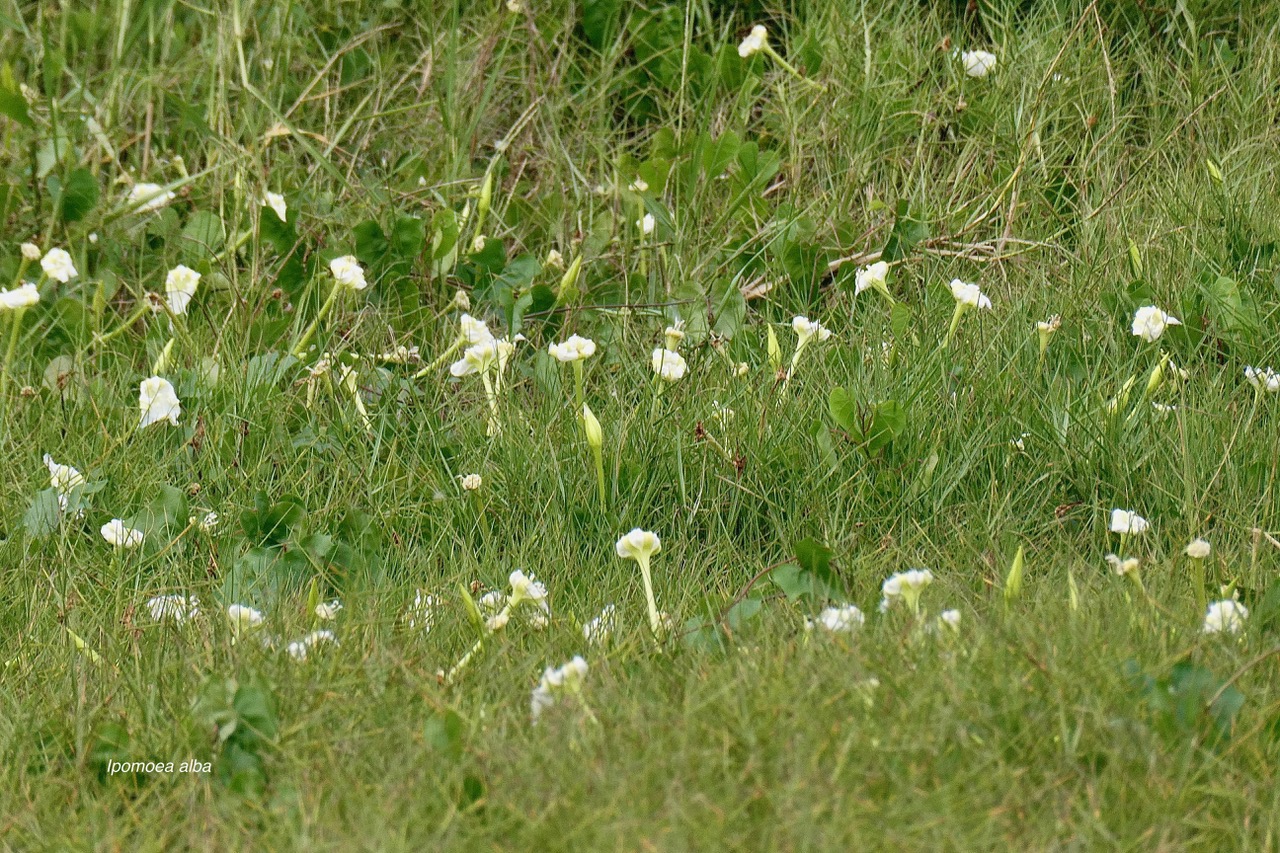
(595, 435)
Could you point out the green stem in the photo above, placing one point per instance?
(955, 323)
(8, 361)
(654, 620)
(599, 457)
(137, 315)
(444, 356)
(578, 383)
(301, 347)
(790, 69)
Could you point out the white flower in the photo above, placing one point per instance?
(638, 545)
(565, 679)
(554, 261)
(299, 649)
(328, 610)
(1050, 326)
(176, 608)
(950, 619)
(906, 586)
(875, 276)
(19, 297)
(179, 286)
(1262, 378)
(576, 348)
(348, 272)
(969, 294)
(807, 330)
(1149, 322)
(669, 365)
(461, 301)
(492, 602)
(977, 63)
(159, 402)
(843, 619)
(526, 588)
(498, 621)
(243, 618)
(1199, 549)
(645, 224)
(149, 197)
(1127, 566)
(472, 482)
(63, 478)
(479, 358)
(30, 252)
(57, 264)
(599, 630)
(1127, 521)
(400, 354)
(754, 43)
(474, 331)
(119, 536)
(276, 202)
(1225, 617)
(422, 613)
(209, 522)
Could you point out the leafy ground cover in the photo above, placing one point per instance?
(644, 426)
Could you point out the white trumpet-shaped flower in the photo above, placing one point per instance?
(668, 364)
(1149, 323)
(57, 264)
(977, 63)
(844, 619)
(754, 42)
(1198, 549)
(575, 348)
(555, 681)
(1123, 567)
(641, 545)
(276, 202)
(299, 649)
(120, 536)
(149, 197)
(173, 608)
(906, 586)
(347, 272)
(23, 296)
(477, 358)
(599, 630)
(1263, 378)
(969, 295)
(179, 286)
(30, 251)
(159, 402)
(1225, 617)
(1127, 521)
(875, 276)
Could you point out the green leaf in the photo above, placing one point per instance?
(797, 584)
(600, 21)
(13, 105)
(743, 612)
(814, 558)
(408, 236)
(43, 515)
(443, 733)
(1233, 313)
(909, 230)
(719, 153)
(888, 420)
(77, 197)
(205, 233)
(371, 243)
(844, 411)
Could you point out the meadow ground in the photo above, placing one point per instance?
(271, 504)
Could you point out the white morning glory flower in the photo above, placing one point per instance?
(1149, 323)
(1198, 549)
(977, 63)
(173, 608)
(844, 619)
(120, 536)
(1127, 521)
(575, 348)
(179, 286)
(754, 42)
(149, 197)
(159, 402)
(347, 272)
(276, 202)
(19, 297)
(1225, 617)
(57, 264)
(670, 365)
(969, 295)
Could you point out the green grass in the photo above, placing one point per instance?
(1118, 156)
